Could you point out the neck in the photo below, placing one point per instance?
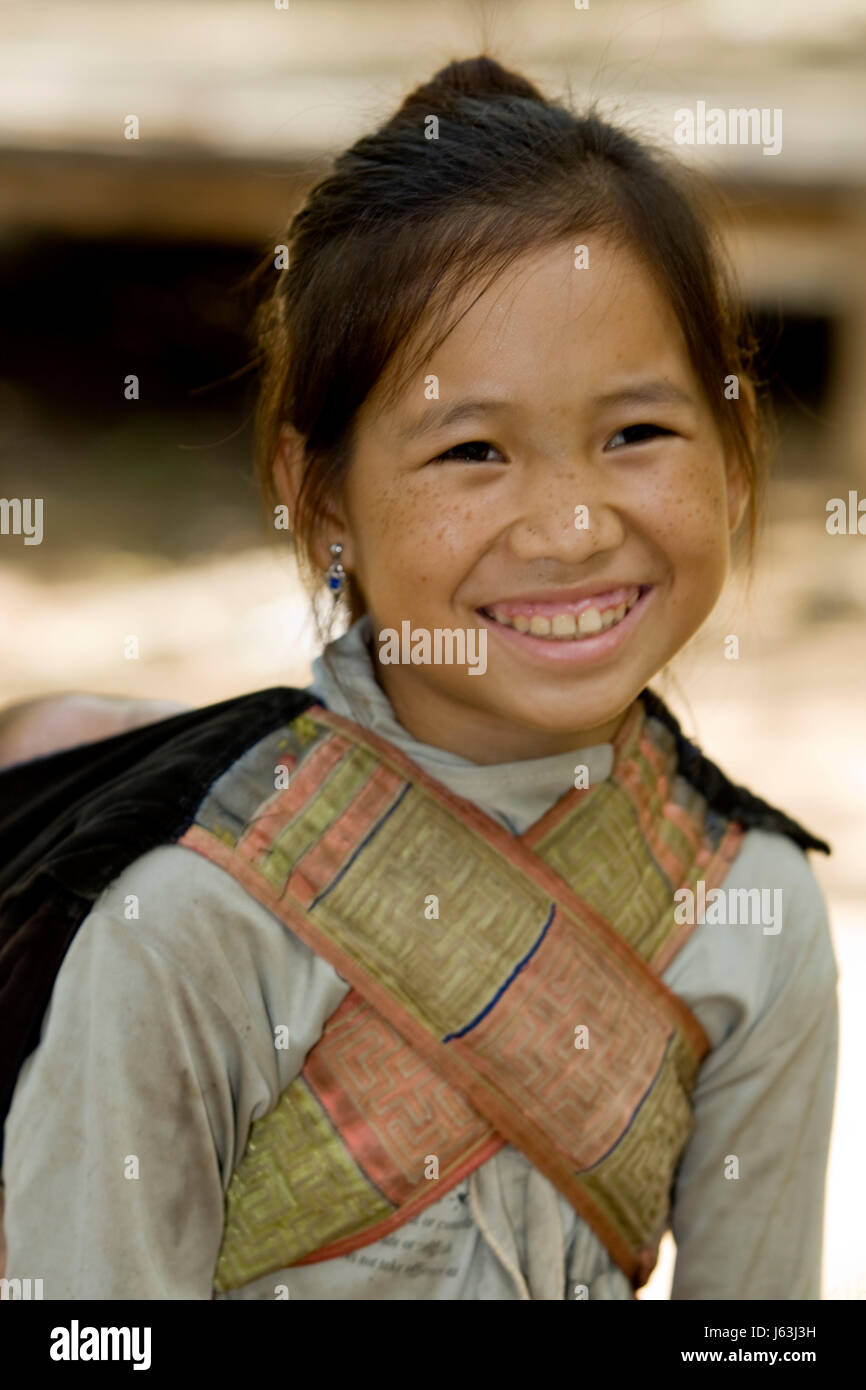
(480, 735)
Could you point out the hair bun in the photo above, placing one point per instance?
(472, 77)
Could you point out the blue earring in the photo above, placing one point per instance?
(336, 575)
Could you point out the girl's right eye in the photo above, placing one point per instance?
(459, 452)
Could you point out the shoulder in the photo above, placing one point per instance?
(178, 905)
(207, 936)
(781, 870)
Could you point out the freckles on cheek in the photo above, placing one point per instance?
(706, 521)
(463, 527)
(387, 516)
(451, 539)
(690, 513)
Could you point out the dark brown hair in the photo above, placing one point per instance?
(388, 239)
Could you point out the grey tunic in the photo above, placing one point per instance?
(116, 1167)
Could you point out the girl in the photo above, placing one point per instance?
(462, 974)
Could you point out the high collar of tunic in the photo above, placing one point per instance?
(516, 793)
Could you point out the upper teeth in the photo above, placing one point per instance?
(565, 625)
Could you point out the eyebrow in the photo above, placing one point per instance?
(657, 392)
(440, 414)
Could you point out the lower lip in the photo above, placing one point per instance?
(573, 651)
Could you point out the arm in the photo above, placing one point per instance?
(764, 1095)
(110, 1121)
(156, 1054)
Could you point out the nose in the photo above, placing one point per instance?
(566, 511)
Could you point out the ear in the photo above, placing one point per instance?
(289, 468)
(735, 473)
(738, 491)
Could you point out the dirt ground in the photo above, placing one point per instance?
(786, 717)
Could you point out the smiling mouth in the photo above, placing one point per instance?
(566, 625)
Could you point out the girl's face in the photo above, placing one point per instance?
(561, 389)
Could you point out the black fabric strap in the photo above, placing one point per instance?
(735, 802)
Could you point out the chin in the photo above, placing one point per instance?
(565, 714)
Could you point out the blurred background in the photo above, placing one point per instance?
(122, 257)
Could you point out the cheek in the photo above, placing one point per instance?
(416, 528)
(687, 511)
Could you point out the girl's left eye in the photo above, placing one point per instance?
(460, 450)
(643, 432)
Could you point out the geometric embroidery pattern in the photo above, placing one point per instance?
(457, 1035)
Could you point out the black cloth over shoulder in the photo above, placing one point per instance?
(736, 802)
(72, 821)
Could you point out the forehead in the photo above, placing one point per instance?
(546, 330)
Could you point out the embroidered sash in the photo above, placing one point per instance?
(504, 989)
